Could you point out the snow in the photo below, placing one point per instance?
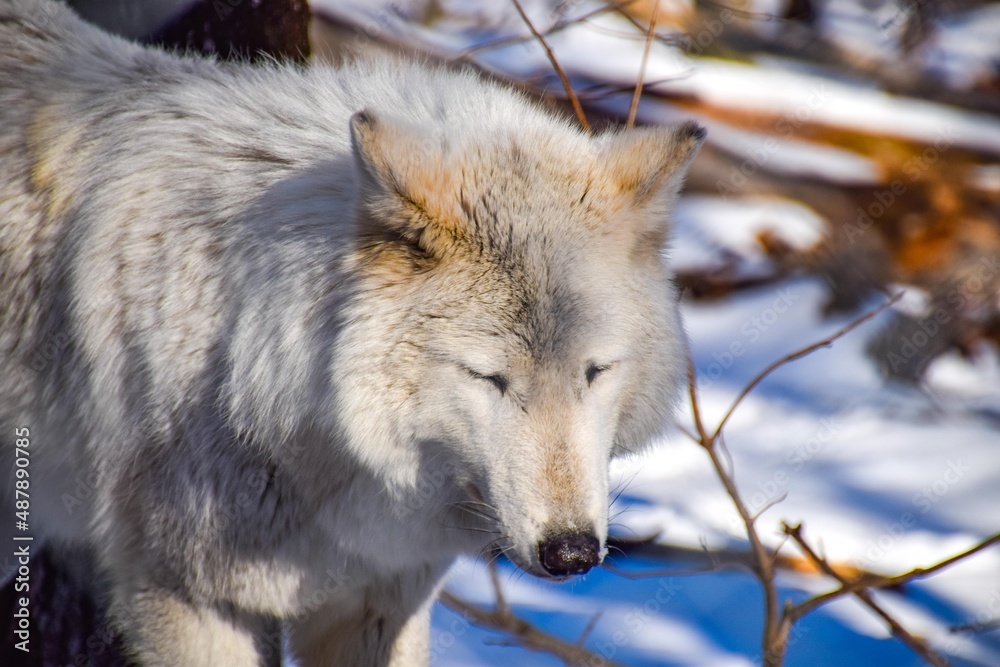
(715, 232)
(779, 154)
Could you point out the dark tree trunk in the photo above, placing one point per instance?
(67, 624)
(241, 29)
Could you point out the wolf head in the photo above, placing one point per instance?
(519, 325)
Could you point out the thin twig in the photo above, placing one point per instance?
(759, 16)
(916, 644)
(662, 574)
(591, 624)
(798, 354)
(869, 580)
(920, 572)
(777, 622)
(602, 91)
(775, 631)
(524, 633)
(773, 635)
(975, 626)
(769, 504)
(703, 438)
(557, 27)
(634, 106)
(573, 99)
(502, 605)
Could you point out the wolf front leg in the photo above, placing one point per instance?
(163, 630)
(385, 623)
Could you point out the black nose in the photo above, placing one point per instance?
(569, 553)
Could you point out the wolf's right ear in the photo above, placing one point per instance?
(645, 169)
(648, 164)
(404, 181)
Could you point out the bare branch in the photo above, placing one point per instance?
(703, 438)
(774, 632)
(920, 572)
(768, 505)
(634, 106)
(775, 628)
(758, 16)
(798, 354)
(869, 580)
(502, 605)
(591, 624)
(560, 25)
(975, 626)
(524, 633)
(777, 621)
(916, 644)
(573, 99)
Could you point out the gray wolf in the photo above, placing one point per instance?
(285, 330)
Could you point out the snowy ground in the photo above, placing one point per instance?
(887, 478)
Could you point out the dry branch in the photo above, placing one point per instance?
(777, 622)
(573, 99)
(523, 632)
(917, 644)
(872, 581)
(798, 354)
(558, 26)
(634, 106)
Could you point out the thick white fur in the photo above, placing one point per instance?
(250, 333)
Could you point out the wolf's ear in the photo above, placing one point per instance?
(648, 164)
(403, 180)
(645, 168)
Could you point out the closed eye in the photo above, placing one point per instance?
(500, 382)
(594, 370)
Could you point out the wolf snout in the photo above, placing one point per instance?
(569, 553)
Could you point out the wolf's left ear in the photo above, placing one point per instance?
(648, 164)
(401, 171)
(387, 155)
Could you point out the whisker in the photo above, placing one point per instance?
(624, 487)
(618, 549)
(471, 507)
(616, 524)
(499, 551)
(491, 547)
(476, 512)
